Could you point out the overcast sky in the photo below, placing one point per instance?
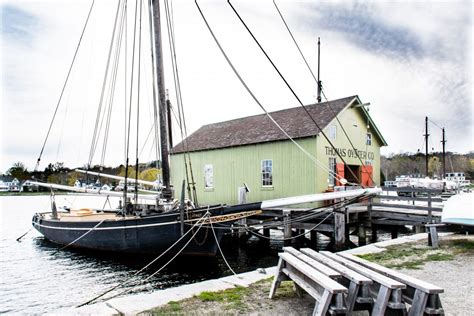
(409, 59)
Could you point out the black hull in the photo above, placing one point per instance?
(150, 234)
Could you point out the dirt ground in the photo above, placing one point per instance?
(456, 276)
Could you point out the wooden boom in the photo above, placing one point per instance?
(131, 180)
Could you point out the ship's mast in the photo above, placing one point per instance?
(163, 111)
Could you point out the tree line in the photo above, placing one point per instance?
(58, 173)
(395, 165)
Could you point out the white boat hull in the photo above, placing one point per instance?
(459, 210)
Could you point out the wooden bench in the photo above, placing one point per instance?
(387, 293)
(329, 294)
(357, 284)
(324, 269)
(422, 296)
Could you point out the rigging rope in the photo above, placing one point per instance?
(96, 133)
(199, 222)
(292, 237)
(316, 80)
(125, 86)
(166, 264)
(293, 92)
(311, 214)
(80, 237)
(111, 93)
(130, 106)
(309, 155)
(179, 99)
(64, 86)
(220, 250)
(138, 99)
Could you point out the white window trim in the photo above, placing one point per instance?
(206, 175)
(262, 173)
(368, 141)
(332, 132)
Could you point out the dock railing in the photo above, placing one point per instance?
(412, 195)
(408, 206)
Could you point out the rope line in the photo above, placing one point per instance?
(19, 238)
(317, 162)
(64, 86)
(125, 189)
(306, 217)
(112, 85)
(293, 237)
(80, 237)
(166, 264)
(199, 222)
(291, 89)
(316, 80)
(220, 250)
(183, 128)
(138, 99)
(95, 136)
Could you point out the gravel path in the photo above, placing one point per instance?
(457, 279)
(455, 276)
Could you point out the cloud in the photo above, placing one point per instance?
(17, 24)
(409, 59)
(360, 24)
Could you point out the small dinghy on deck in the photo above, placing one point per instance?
(459, 210)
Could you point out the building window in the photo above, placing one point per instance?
(369, 139)
(208, 177)
(267, 173)
(332, 172)
(332, 132)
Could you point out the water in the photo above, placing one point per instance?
(37, 278)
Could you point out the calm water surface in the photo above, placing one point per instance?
(37, 278)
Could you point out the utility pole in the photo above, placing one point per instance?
(319, 81)
(444, 153)
(426, 144)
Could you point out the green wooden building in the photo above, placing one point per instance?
(253, 151)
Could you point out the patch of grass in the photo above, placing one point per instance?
(286, 289)
(439, 257)
(414, 255)
(230, 295)
(412, 264)
(171, 308)
(174, 306)
(231, 299)
(463, 245)
(211, 296)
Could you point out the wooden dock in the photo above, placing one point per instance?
(391, 211)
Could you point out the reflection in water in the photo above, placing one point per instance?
(38, 277)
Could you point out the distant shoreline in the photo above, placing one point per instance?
(23, 193)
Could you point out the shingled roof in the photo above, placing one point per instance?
(260, 129)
